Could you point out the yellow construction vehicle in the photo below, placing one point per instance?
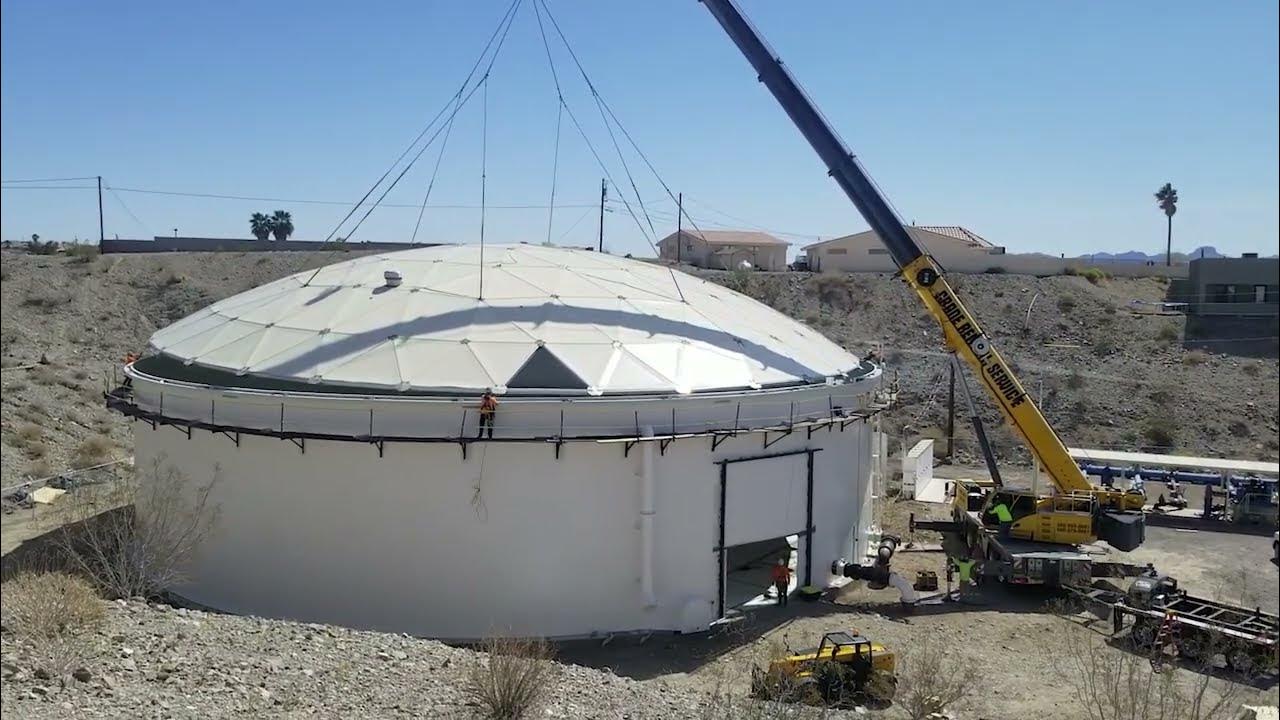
(845, 668)
(1081, 512)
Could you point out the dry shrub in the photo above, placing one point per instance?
(1195, 357)
(44, 375)
(54, 617)
(93, 450)
(139, 530)
(40, 469)
(82, 253)
(1161, 432)
(834, 290)
(1167, 333)
(929, 682)
(1252, 369)
(1114, 684)
(30, 432)
(37, 450)
(515, 680)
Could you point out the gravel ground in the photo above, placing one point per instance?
(160, 662)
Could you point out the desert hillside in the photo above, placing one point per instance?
(1108, 376)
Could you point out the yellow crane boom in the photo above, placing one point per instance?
(964, 335)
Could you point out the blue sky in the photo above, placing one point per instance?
(1042, 126)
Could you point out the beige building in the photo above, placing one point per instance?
(953, 246)
(725, 249)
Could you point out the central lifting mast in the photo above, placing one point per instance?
(964, 336)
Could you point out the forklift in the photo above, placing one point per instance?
(845, 669)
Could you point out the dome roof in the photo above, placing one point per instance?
(551, 321)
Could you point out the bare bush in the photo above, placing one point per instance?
(92, 451)
(1195, 357)
(54, 617)
(138, 531)
(30, 432)
(1118, 685)
(1167, 333)
(929, 682)
(514, 680)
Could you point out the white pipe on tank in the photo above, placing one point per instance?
(646, 519)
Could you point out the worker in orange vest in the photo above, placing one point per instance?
(488, 408)
(129, 359)
(781, 575)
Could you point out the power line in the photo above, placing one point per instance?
(49, 187)
(40, 180)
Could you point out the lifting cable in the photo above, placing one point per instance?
(555, 167)
(484, 162)
(560, 107)
(458, 101)
(602, 107)
(587, 140)
(435, 171)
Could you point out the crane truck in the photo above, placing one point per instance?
(1041, 545)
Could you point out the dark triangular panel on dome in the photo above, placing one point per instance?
(544, 371)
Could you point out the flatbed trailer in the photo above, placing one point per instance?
(1022, 562)
(1247, 638)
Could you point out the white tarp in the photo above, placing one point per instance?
(621, 325)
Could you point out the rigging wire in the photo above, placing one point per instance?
(555, 167)
(505, 21)
(591, 146)
(110, 190)
(434, 173)
(484, 162)
(344, 203)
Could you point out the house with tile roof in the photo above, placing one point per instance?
(725, 249)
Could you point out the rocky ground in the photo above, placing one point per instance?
(154, 661)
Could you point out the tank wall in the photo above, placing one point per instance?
(405, 542)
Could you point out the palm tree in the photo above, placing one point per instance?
(260, 226)
(281, 225)
(1167, 199)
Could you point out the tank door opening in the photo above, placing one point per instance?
(765, 512)
(749, 571)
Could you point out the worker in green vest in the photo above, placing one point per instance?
(1004, 517)
(964, 572)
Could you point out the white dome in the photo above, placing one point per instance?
(551, 321)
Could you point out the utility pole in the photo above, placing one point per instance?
(951, 416)
(604, 193)
(679, 224)
(102, 234)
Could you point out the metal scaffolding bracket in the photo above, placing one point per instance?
(463, 443)
(381, 445)
(717, 438)
(781, 435)
(559, 441)
(301, 442)
(233, 437)
(182, 429)
(626, 447)
(663, 443)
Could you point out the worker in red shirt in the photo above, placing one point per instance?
(781, 575)
(488, 408)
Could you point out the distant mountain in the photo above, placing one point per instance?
(1137, 256)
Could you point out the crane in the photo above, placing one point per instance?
(1059, 519)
